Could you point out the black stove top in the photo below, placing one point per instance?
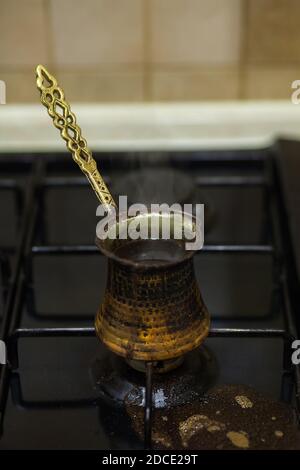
(52, 279)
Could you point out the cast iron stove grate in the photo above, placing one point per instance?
(250, 240)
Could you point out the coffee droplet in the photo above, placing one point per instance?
(238, 439)
(163, 439)
(197, 423)
(213, 428)
(243, 401)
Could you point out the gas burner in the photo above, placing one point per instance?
(123, 391)
(121, 385)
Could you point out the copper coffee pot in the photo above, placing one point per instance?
(152, 308)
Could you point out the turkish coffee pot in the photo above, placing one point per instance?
(152, 308)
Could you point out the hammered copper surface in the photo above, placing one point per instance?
(153, 313)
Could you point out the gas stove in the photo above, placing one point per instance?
(52, 279)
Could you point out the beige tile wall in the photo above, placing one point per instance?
(149, 50)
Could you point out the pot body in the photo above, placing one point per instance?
(152, 313)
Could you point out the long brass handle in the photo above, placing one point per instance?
(53, 97)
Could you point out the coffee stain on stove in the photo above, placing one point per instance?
(162, 439)
(194, 425)
(243, 401)
(239, 439)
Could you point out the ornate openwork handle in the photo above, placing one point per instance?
(52, 96)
